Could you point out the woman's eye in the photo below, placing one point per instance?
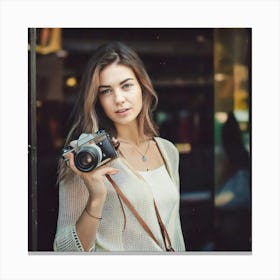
(105, 91)
(127, 86)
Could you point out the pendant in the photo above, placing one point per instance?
(144, 158)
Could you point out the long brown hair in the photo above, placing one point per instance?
(88, 113)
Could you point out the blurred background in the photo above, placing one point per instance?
(203, 80)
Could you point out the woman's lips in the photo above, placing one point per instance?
(122, 112)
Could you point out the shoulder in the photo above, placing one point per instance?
(166, 143)
(167, 146)
(171, 156)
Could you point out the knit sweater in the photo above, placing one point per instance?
(117, 232)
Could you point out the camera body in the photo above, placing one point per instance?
(91, 150)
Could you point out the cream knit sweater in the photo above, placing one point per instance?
(113, 234)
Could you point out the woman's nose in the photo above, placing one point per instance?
(119, 97)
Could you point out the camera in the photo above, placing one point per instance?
(91, 150)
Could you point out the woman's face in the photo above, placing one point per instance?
(120, 94)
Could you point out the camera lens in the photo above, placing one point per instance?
(85, 159)
(88, 158)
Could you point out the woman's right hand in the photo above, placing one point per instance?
(94, 180)
(87, 224)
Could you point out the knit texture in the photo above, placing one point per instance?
(114, 234)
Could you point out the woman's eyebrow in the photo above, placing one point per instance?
(101, 86)
(126, 80)
(122, 82)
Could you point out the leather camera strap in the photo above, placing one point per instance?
(132, 209)
(166, 238)
(164, 232)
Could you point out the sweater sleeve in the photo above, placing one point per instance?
(179, 243)
(176, 168)
(73, 197)
(173, 159)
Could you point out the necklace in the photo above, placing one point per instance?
(144, 157)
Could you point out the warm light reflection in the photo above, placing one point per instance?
(39, 103)
(219, 77)
(71, 82)
(221, 117)
(184, 148)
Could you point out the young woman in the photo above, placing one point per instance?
(117, 95)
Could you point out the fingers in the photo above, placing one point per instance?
(71, 163)
(116, 142)
(110, 171)
(103, 170)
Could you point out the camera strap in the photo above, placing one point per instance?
(165, 235)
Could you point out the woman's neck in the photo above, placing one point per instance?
(130, 134)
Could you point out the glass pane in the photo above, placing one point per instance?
(232, 63)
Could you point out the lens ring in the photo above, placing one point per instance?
(87, 159)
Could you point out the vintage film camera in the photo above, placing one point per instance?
(91, 150)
